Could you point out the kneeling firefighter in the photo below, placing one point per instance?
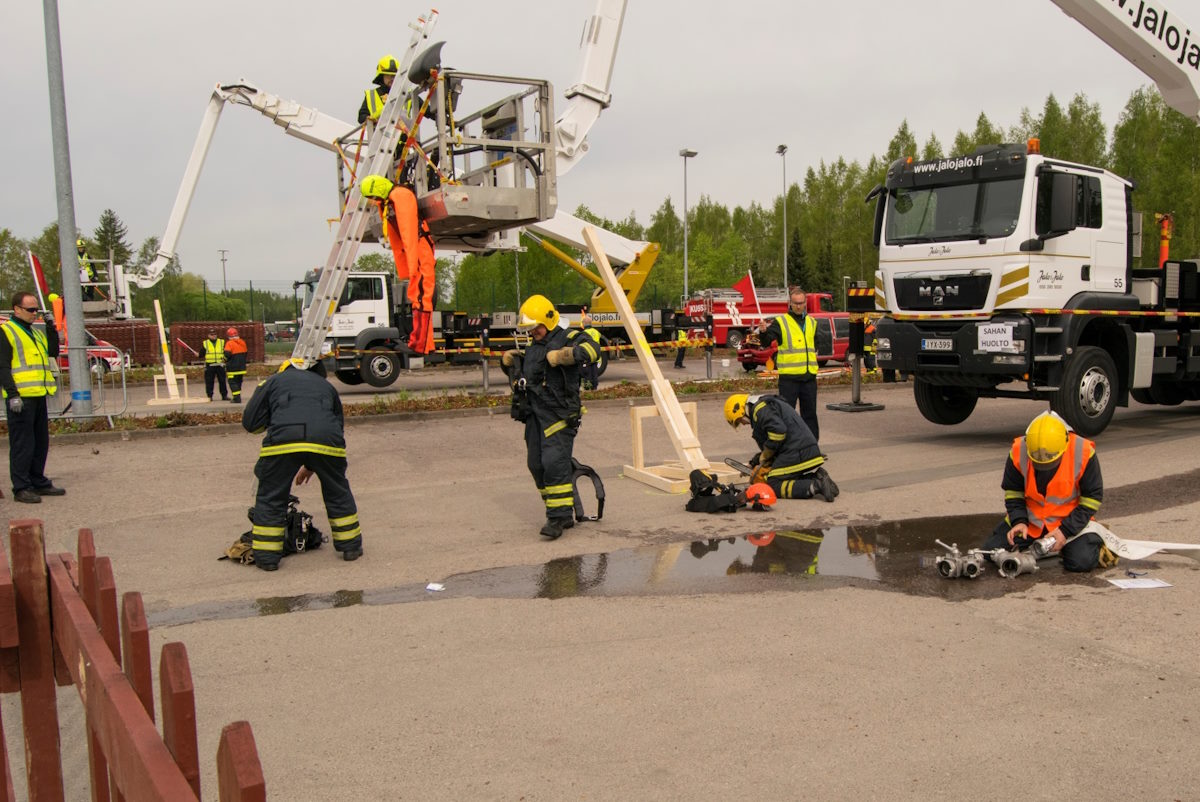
(789, 460)
(545, 382)
(302, 415)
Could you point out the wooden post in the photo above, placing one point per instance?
(106, 602)
(179, 711)
(10, 671)
(135, 643)
(39, 706)
(239, 774)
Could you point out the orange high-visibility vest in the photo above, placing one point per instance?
(1046, 512)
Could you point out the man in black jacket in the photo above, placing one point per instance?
(302, 415)
(25, 375)
(545, 381)
(789, 460)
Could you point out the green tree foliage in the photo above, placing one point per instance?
(14, 267)
(110, 236)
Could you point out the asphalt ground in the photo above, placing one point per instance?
(736, 687)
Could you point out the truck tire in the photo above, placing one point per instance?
(1087, 396)
(380, 367)
(602, 363)
(349, 376)
(944, 405)
(733, 338)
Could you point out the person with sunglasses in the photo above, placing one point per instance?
(26, 354)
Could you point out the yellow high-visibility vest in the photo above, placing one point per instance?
(797, 355)
(214, 352)
(30, 361)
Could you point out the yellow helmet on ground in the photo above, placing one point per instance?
(376, 186)
(537, 309)
(1046, 438)
(735, 409)
(387, 65)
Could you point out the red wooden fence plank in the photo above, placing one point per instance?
(106, 604)
(179, 711)
(6, 780)
(135, 752)
(97, 765)
(8, 606)
(239, 774)
(87, 571)
(135, 643)
(39, 708)
(10, 670)
(62, 676)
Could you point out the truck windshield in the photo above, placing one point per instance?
(979, 210)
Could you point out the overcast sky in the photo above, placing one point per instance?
(731, 80)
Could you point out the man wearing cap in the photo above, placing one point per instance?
(1052, 488)
(235, 363)
(214, 366)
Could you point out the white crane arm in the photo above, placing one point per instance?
(1155, 40)
(568, 229)
(296, 120)
(589, 95)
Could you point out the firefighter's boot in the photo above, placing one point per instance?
(553, 528)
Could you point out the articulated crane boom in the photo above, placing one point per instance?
(1152, 38)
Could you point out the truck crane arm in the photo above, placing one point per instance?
(297, 120)
(1152, 38)
(589, 96)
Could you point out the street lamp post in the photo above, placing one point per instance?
(224, 284)
(686, 154)
(782, 151)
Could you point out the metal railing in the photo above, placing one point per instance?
(104, 379)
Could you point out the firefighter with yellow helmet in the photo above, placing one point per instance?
(1052, 487)
(87, 271)
(789, 459)
(376, 96)
(545, 382)
(302, 416)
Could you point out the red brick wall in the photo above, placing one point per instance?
(136, 338)
(194, 335)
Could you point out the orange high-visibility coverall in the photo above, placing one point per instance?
(422, 285)
(399, 213)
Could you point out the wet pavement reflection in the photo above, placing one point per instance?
(898, 556)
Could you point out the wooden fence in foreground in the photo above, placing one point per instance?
(60, 624)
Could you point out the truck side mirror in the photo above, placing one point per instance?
(1056, 205)
(880, 198)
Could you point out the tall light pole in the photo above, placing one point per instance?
(686, 154)
(224, 285)
(782, 151)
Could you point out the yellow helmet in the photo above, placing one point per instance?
(537, 309)
(80, 244)
(387, 66)
(735, 409)
(376, 186)
(291, 362)
(1046, 438)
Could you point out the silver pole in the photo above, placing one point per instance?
(224, 284)
(782, 151)
(81, 379)
(686, 154)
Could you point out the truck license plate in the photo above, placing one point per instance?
(937, 344)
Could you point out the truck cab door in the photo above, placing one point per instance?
(1067, 223)
(363, 305)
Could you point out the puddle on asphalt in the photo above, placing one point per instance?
(898, 556)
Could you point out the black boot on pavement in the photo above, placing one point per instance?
(50, 491)
(351, 555)
(27, 496)
(553, 528)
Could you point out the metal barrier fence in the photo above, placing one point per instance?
(60, 625)
(106, 365)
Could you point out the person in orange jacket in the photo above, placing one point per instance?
(412, 249)
(235, 363)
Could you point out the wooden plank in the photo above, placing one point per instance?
(137, 758)
(135, 644)
(106, 606)
(6, 779)
(683, 439)
(39, 707)
(179, 711)
(97, 765)
(239, 774)
(10, 670)
(86, 550)
(8, 606)
(62, 676)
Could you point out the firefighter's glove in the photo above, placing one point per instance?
(48, 316)
(754, 461)
(561, 357)
(15, 404)
(509, 358)
(759, 474)
(240, 552)
(1107, 558)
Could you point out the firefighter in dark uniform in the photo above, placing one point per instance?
(214, 365)
(235, 363)
(790, 460)
(796, 360)
(87, 272)
(376, 96)
(302, 415)
(545, 380)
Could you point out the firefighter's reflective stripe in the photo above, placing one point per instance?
(797, 353)
(267, 538)
(295, 448)
(593, 354)
(1045, 512)
(554, 427)
(345, 528)
(30, 361)
(799, 467)
(558, 496)
(375, 103)
(777, 436)
(214, 352)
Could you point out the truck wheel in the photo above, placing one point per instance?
(733, 338)
(1087, 397)
(943, 404)
(349, 376)
(602, 363)
(380, 367)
